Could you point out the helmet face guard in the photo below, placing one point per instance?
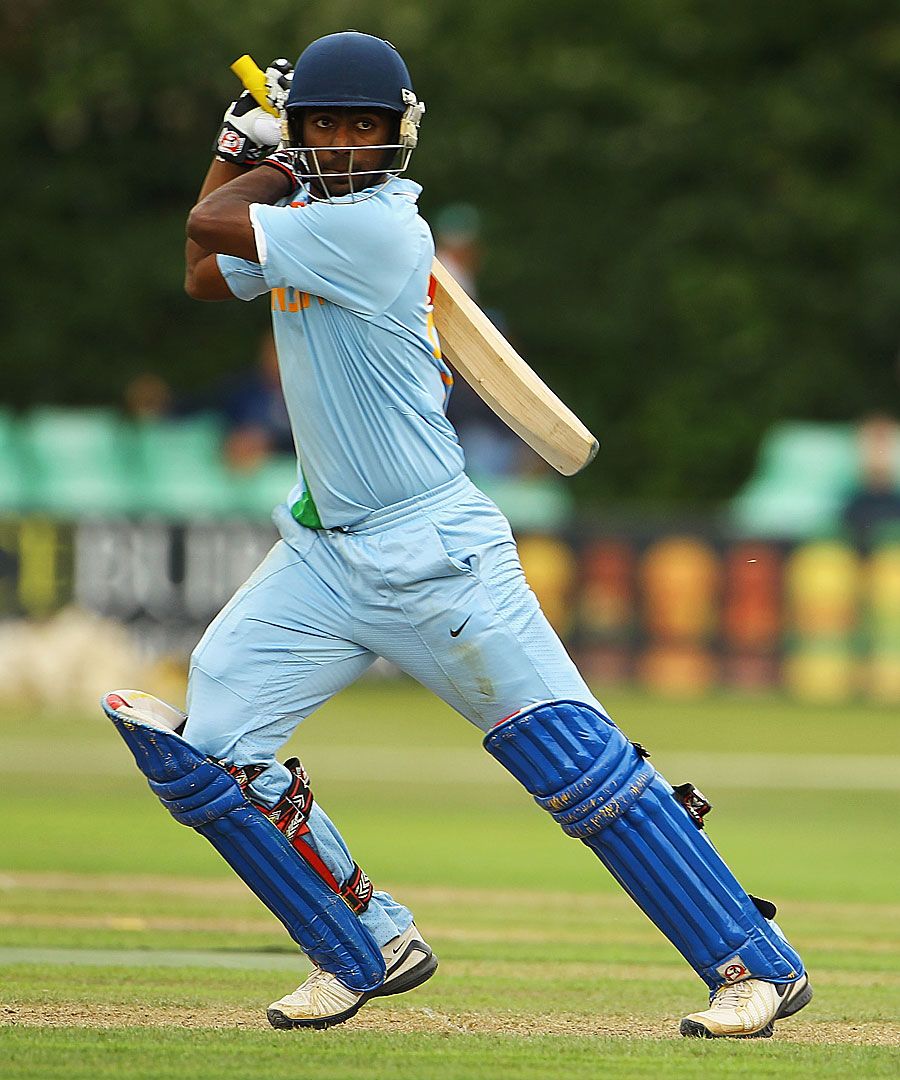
(352, 71)
(395, 158)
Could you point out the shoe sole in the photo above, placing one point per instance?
(409, 980)
(796, 1003)
(693, 1029)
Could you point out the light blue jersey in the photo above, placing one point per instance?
(360, 363)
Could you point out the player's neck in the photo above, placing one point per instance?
(320, 189)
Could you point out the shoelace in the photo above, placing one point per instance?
(317, 975)
(733, 996)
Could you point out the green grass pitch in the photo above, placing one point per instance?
(127, 949)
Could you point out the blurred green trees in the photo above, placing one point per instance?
(690, 205)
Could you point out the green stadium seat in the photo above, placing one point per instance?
(821, 456)
(804, 476)
(180, 468)
(530, 503)
(77, 462)
(766, 509)
(259, 492)
(7, 427)
(13, 477)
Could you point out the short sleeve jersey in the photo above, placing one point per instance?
(360, 363)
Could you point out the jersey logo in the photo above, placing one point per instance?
(291, 299)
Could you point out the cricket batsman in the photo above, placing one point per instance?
(387, 549)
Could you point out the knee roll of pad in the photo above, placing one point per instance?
(202, 795)
(601, 789)
(199, 797)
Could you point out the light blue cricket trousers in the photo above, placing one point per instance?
(433, 584)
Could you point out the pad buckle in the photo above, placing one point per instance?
(358, 891)
(292, 810)
(243, 774)
(694, 801)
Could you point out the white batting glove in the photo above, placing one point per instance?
(248, 132)
(279, 75)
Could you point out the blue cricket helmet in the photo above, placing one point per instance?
(351, 70)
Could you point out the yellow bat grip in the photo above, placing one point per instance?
(254, 80)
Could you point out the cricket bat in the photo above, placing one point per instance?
(483, 356)
(502, 379)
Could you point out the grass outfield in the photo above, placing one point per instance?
(127, 948)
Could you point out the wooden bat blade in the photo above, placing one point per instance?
(493, 368)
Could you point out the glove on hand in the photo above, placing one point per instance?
(248, 132)
(290, 163)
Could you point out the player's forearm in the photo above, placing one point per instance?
(202, 280)
(220, 222)
(218, 174)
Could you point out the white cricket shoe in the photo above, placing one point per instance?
(747, 1010)
(323, 1000)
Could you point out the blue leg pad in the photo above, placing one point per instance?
(594, 782)
(202, 795)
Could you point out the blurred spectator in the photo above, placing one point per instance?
(257, 419)
(875, 505)
(251, 403)
(491, 449)
(457, 234)
(148, 397)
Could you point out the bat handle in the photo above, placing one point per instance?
(253, 79)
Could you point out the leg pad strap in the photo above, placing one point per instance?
(601, 789)
(290, 816)
(205, 796)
